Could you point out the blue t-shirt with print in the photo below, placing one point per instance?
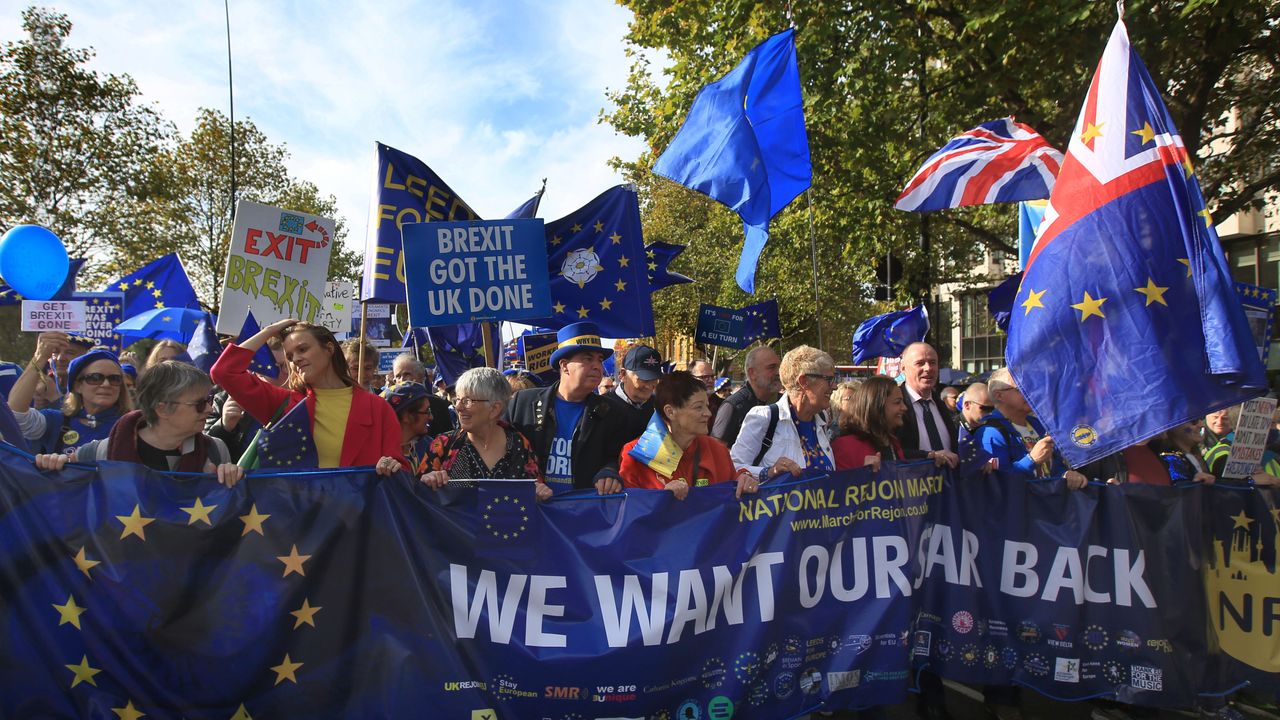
(559, 473)
(814, 456)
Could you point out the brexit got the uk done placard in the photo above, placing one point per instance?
(476, 271)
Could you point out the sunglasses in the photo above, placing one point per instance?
(199, 405)
(99, 378)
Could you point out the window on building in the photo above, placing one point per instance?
(981, 342)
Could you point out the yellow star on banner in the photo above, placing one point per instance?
(606, 304)
(242, 714)
(599, 226)
(555, 240)
(83, 673)
(623, 260)
(1241, 521)
(1033, 300)
(1153, 292)
(199, 511)
(1146, 133)
(159, 305)
(134, 524)
(1088, 306)
(1187, 262)
(69, 613)
(558, 307)
(305, 614)
(286, 669)
(85, 564)
(1208, 219)
(653, 266)
(621, 285)
(1091, 132)
(649, 253)
(253, 521)
(156, 293)
(582, 311)
(576, 228)
(150, 285)
(293, 562)
(615, 237)
(124, 285)
(128, 712)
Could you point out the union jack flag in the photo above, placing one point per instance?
(998, 161)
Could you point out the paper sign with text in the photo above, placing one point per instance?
(720, 326)
(102, 313)
(277, 266)
(461, 272)
(1250, 440)
(387, 359)
(62, 315)
(335, 308)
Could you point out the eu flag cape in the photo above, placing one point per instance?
(1126, 323)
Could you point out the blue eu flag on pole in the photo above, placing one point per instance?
(658, 257)
(160, 283)
(1000, 300)
(263, 361)
(598, 267)
(760, 322)
(529, 208)
(889, 334)
(405, 191)
(744, 144)
(458, 348)
(288, 443)
(204, 348)
(1126, 323)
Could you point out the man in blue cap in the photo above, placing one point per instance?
(576, 433)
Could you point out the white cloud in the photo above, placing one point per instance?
(493, 96)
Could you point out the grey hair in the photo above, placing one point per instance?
(484, 383)
(416, 365)
(166, 382)
(754, 355)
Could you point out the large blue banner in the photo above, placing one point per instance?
(342, 594)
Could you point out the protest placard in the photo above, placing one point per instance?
(376, 327)
(102, 313)
(387, 359)
(335, 308)
(1250, 440)
(42, 315)
(277, 266)
(535, 351)
(720, 326)
(476, 271)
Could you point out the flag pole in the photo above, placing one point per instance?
(487, 328)
(813, 247)
(364, 317)
(231, 96)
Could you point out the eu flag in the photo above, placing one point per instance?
(889, 334)
(405, 191)
(288, 442)
(458, 348)
(744, 144)
(760, 322)
(263, 361)
(1127, 323)
(204, 348)
(598, 269)
(658, 257)
(1000, 300)
(160, 283)
(529, 208)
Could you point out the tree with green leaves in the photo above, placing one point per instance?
(75, 145)
(887, 82)
(193, 209)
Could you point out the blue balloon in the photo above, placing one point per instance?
(33, 261)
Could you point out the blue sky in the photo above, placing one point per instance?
(494, 96)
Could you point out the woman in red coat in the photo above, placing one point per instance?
(351, 426)
(870, 416)
(681, 402)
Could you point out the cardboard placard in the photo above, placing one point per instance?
(1250, 440)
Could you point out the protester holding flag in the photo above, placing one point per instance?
(351, 426)
(790, 436)
(166, 433)
(95, 400)
(1017, 439)
(675, 452)
(870, 414)
(483, 446)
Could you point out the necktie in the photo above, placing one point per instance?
(931, 425)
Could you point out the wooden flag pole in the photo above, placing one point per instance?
(364, 316)
(487, 328)
(813, 247)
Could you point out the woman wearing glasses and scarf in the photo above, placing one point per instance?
(96, 399)
(167, 434)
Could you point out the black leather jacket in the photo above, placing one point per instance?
(606, 426)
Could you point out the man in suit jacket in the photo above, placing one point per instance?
(576, 433)
(929, 431)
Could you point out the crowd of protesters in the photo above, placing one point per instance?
(580, 431)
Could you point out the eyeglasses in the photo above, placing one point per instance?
(705, 378)
(199, 405)
(99, 378)
(465, 403)
(829, 378)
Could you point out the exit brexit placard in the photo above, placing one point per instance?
(476, 271)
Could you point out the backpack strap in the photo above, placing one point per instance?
(767, 441)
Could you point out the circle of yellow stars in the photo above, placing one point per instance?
(583, 312)
(134, 525)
